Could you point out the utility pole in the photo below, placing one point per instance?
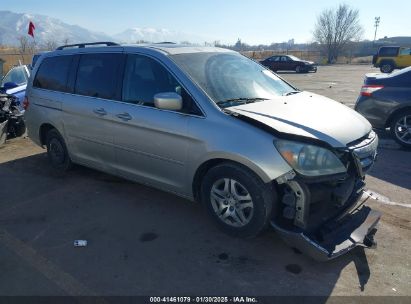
(376, 24)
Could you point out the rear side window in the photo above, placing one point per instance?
(53, 73)
(406, 51)
(97, 75)
(388, 51)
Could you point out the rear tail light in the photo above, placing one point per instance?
(368, 90)
(26, 103)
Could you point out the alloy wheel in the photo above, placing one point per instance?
(386, 68)
(231, 202)
(403, 129)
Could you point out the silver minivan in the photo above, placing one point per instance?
(215, 127)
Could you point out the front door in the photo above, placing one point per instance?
(151, 144)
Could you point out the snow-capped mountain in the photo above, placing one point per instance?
(133, 35)
(15, 25)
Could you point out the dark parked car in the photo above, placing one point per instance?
(289, 63)
(385, 100)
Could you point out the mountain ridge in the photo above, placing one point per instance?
(48, 29)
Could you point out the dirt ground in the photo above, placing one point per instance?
(142, 241)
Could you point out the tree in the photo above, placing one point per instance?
(66, 41)
(335, 28)
(49, 45)
(23, 44)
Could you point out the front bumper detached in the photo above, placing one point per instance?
(357, 228)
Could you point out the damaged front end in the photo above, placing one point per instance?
(323, 216)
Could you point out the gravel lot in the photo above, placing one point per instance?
(146, 242)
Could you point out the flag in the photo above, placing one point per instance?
(31, 29)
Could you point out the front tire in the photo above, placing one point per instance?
(57, 152)
(400, 129)
(237, 200)
(299, 69)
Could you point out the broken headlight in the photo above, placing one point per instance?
(309, 160)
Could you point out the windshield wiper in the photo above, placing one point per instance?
(291, 93)
(241, 100)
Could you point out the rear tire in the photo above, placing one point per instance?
(386, 67)
(237, 200)
(400, 128)
(57, 152)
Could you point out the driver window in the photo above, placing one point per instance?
(144, 77)
(283, 59)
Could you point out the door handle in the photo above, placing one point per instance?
(100, 111)
(124, 116)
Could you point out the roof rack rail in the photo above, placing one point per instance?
(165, 42)
(83, 45)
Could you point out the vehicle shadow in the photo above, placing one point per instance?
(392, 163)
(143, 241)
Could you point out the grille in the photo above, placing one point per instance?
(366, 150)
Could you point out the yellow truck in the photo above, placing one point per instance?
(389, 58)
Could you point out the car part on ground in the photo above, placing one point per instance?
(213, 126)
(385, 100)
(11, 118)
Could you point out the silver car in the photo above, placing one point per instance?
(215, 127)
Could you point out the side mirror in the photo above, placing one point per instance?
(168, 101)
(9, 85)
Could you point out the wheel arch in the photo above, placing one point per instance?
(390, 61)
(43, 130)
(205, 166)
(395, 112)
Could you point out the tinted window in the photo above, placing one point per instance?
(388, 51)
(145, 77)
(17, 75)
(53, 73)
(97, 75)
(406, 51)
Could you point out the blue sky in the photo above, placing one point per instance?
(257, 21)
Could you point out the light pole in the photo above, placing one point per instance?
(376, 24)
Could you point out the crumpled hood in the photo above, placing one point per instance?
(309, 115)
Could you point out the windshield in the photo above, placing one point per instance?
(232, 77)
(16, 75)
